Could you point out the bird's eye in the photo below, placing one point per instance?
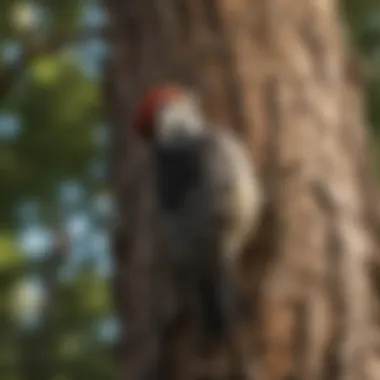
(178, 123)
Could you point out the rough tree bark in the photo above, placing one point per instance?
(279, 73)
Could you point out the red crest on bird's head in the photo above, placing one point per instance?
(151, 102)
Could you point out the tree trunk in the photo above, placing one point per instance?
(279, 73)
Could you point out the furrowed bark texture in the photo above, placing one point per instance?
(276, 71)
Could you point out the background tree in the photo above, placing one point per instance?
(285, 77)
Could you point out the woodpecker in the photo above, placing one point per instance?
(207, 192)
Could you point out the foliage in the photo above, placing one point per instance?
(51, 323)
(364, 25)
